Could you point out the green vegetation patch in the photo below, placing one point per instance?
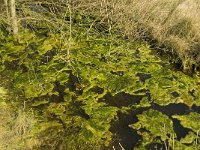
(65, 86)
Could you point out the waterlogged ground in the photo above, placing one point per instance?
(105, 94)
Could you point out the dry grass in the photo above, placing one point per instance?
(172, 23)
(15, 130)
(15, 127)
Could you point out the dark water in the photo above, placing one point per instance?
(175, 109)
(143, 76)
(128, 137)
(121, 99)
(123, 134)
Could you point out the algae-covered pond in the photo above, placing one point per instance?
(105, 94)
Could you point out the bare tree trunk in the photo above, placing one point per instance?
(7, 13)
(7, 9)
(13, 17)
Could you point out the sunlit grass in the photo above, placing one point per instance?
(15, 127)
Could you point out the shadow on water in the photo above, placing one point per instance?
(196, 108)
(172, 109)
(144, 76)
(124, 135)
(121, 99)
(155, 146)
(175, 109)
(128, 137)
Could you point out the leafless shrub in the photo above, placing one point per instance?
(173, 23)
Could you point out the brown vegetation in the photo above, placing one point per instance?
(172, 24)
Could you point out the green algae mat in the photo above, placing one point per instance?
(77, 91)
